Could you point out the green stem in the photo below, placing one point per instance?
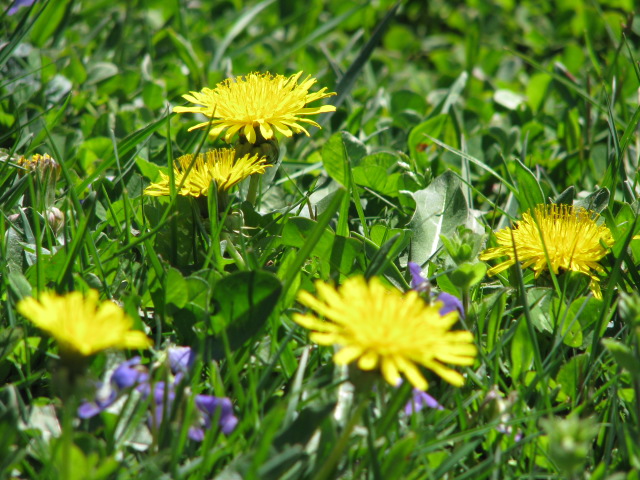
(252, 194)
(67, 439)
(342, 443)
(233, 251)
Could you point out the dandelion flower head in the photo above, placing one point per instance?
(387, 329)
(44, 164)
(220, 166)
(257, 103)
(559, 237)
(82, 325)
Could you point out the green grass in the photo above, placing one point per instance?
(450, 114)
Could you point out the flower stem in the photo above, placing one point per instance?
(252, 193)
(342, 443)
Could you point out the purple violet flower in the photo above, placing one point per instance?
(421, 284)
(419, 400)
(451, 303)
(17, 4)
(209, 407)
(91, 409)
(418, 282)
(181, 359)
(160, 394)
(127, 374)
(131, 374)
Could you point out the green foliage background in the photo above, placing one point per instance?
(450, 115)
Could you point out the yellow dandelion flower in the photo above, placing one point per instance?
(81, 324)
(387, 329)
(220, 166)
(560, 237)
(37, 161)
(257, 101)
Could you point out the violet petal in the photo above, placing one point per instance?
(450, 303)
(419, 400)
(17, 4)
(418, 282)
(208, 405)
(181, 359)
(128, 374)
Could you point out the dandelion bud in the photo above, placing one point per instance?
(55, 219)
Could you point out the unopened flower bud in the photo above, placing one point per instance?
(55, 219)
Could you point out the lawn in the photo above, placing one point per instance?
(319, 240)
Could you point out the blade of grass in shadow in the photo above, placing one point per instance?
(73, 250)
(343, 214)
(357, 203)
(559, 78)
(537, 356)
(317, 33)
(475, 161)
(311, 241)
(245, 19)
(383, 259)
(78, 210)
(344, 86)
(19, 33)
(615, 170)
(126, 146)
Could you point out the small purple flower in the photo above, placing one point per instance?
(181, 359)
(419, 400)
(421, 284)
(129, 373)
(163, 398)
(209, 407)
(451, 303)
(418, 282)
(91, 409)
(17, 4)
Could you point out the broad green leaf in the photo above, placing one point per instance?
(567, 196)
(100, 71)
(597, 201)
(48, 22)
(341, 152)
(521, 351)
(244, 301)
(571, 376)
(377, 172)
(338, 251)
(94, 151)
(440, 209)
(537, 90)
(567, 323)
(586, 309)
(407, 100)
(149, 169)
(529, 193)
(380, 234)
(19, 285)
(153, 95)
(508, 99)
(467, 275)
(420, 146)
(539, 301)
(176, 290)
